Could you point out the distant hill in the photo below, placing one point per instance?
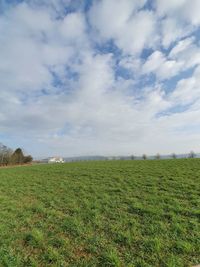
(149, 157)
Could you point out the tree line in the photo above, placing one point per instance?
(10, 157)
(158, 156)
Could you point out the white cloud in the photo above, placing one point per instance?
(183, 10)
(130, 29)
(187, 90)
(138, 33)
(186, 51)
(191, 12)
(109, 17)
(179, 19)
(173, 30)
(170, 6)
(61, 94)
(181, 46)
(162, 67)
(183, 56)
(38, 43)
(73, 27)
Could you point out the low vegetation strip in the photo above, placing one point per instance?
(109, 213)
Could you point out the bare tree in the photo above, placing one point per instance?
(144, 156)
(157, 156)
(191, 155)
(5, 154)
(174, 156)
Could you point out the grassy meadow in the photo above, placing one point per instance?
(109, 213)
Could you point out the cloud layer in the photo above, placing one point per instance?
(105, 77)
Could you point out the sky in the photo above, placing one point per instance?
(100, 77)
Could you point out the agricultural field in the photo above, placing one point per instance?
(110, 213)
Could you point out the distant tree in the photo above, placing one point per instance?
(18, 156)
(191, 155)
(174, 156)
(5, 154)
(28, 159)
(144, 156)
(3, 149)
(157, 156)
(132, 157)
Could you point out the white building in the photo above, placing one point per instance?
(56, 160)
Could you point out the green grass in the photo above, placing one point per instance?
(114, 213)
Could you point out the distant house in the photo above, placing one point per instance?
(56, 160)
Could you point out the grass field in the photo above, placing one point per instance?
(114, 213)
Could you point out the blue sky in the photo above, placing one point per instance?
(107, 77)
